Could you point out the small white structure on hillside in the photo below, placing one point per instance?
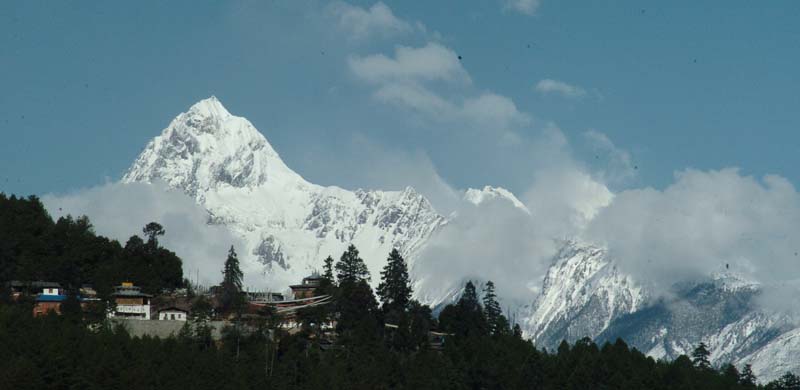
(50, 291)
(172, 314)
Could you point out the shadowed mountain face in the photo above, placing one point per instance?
(289, 226)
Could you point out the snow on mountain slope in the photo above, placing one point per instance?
(288, 224)
(581, 294)
(779, 356)
(585, 295)
(720, 312)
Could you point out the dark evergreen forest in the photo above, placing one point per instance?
(34, 247)
(481, 348)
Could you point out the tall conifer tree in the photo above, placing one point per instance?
(747, 378)
(328, 270)
(700, 356)
(469, 300)
(395, 287)
(494, 315)
(231, 281)
(351, 267)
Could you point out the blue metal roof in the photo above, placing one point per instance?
(58, 298)
(50, 298)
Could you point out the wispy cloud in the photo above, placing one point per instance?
(619, 167)
(408, 80)
(527, 7)
(514, 246)
(362, 23)
(430, 62)
(550, 86)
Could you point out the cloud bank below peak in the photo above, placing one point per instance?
(120, 210)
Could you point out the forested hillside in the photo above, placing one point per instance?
(34, 247)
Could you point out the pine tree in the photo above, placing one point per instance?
(787, 381)
(469, 299)
(517, 331)
(71, 306)
(492, 308)
(700, 356)
(395, 287)
(231, 282)
(747, 378)
(327, 285)
(201, 314)
(730, 375)
(351, 268)
(466, 318)
(152, 231)
(328, 270)
(356, 308)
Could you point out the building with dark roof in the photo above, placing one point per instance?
(308, 287)
(130, 302)
(29, 288)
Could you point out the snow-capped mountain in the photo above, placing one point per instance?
(582, 294)
(288, 224)
(585, 295)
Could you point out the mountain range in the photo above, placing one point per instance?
(290, 225)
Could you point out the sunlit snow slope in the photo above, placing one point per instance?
(288, 224)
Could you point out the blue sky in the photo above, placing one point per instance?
(689, 85)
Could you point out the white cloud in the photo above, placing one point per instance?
(490, 109)
(493, 241)
(119, 211)
(566, 199)
(514, 246)
(527, 7)
(416, 97)
(405, 80)
(548, 86)
(388, 168)
(700, 223)
(428, 63)
(363, 23)
(619, 167)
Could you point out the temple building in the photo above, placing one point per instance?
(307, 288)
(130, 302)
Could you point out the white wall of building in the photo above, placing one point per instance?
(131, 311)
(172, 315)
(50, 291)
